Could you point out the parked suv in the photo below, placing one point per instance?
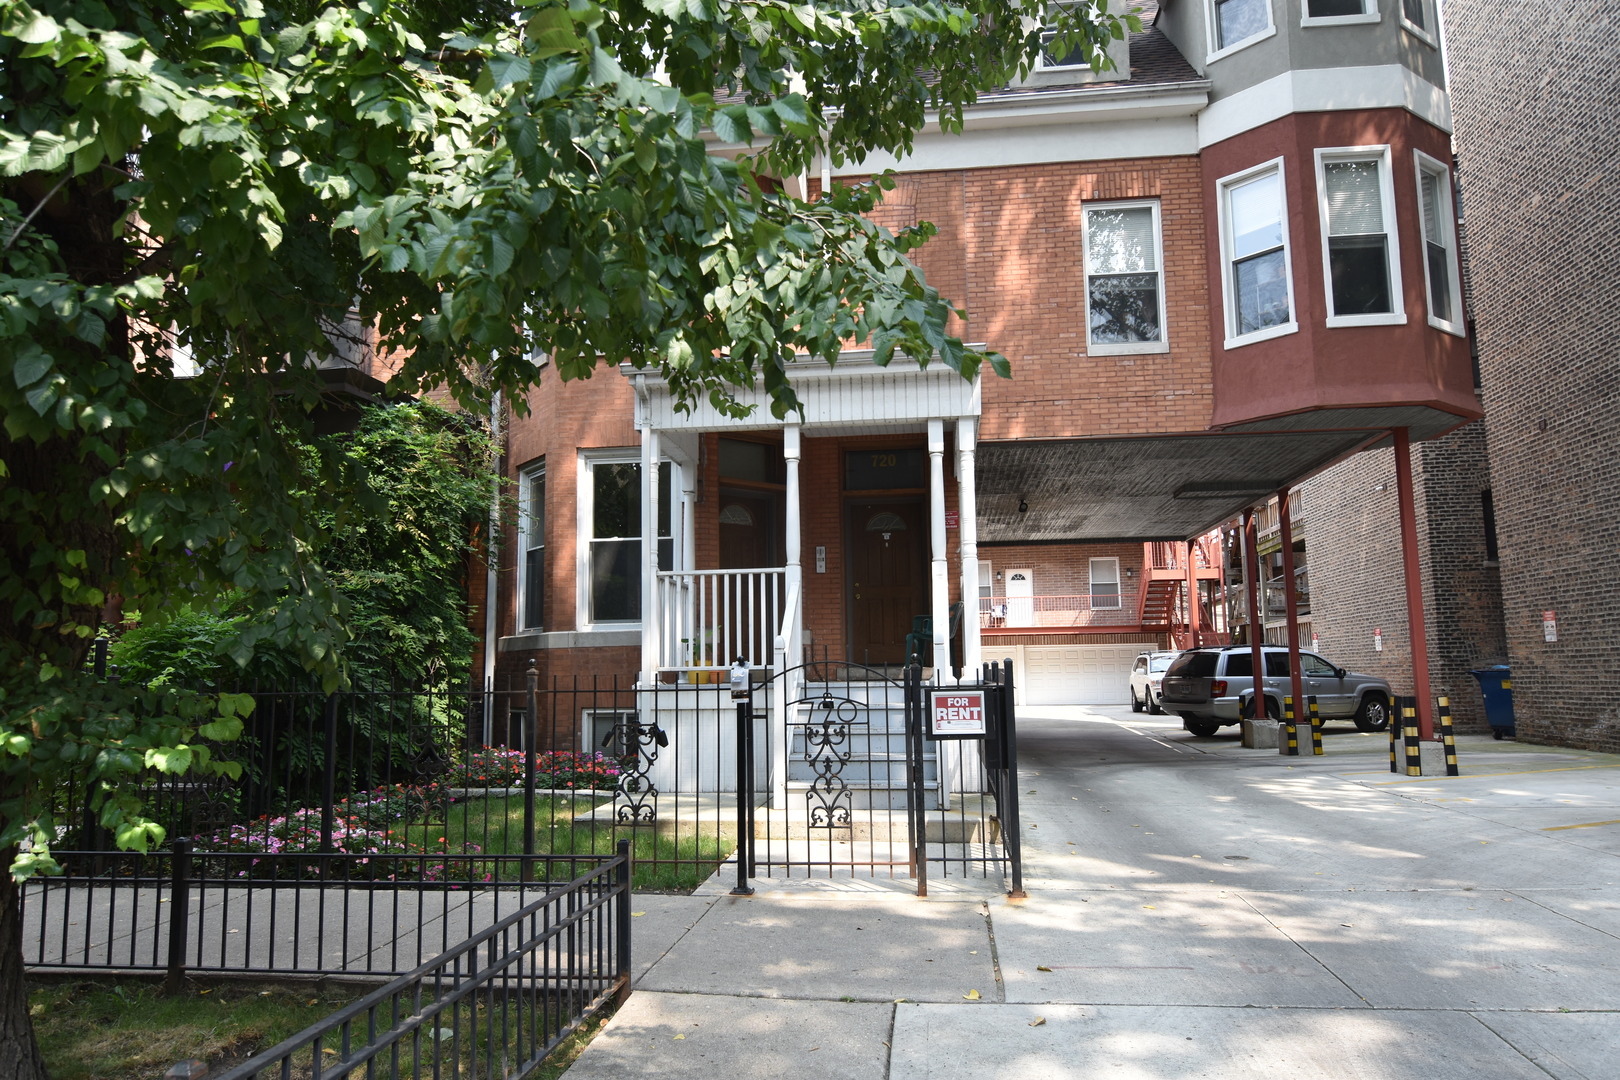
(1146, 674)
(1214, 686)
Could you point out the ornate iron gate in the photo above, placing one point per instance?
(852, 785)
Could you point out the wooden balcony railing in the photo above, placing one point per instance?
(1036, 612)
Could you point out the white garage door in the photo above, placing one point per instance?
(1078, 674)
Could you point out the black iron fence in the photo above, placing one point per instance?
(495, 1005)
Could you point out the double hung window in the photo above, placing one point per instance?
(532, 548)
(1418, 17)
(1440, 274)
(1105, 584)
(1058, 54)
(1258, 286)
(611, 544)
(1360, 253)
(1124, 278)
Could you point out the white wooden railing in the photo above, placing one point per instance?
(708, 618)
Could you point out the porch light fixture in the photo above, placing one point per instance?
(1023, 507)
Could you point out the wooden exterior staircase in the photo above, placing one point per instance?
(1163, 608)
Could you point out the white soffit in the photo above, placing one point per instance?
(856, 395)
(1386, 86)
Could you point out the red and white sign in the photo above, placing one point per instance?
(956, 714)
(1549, 625)
(1378, 640)
(952, 519)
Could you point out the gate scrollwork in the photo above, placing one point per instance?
(827, 750)
(636, 745)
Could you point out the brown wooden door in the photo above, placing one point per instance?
(888, 585)
(748, 541)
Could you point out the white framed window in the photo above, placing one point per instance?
(613, 732)
(531, 548)
(1257, 287)
(1361, 255)
(1338, 12)
(1442, 278)
(609, 556)
(1417, 16)
(1105, 593)
(1054, 55)
(1124, 257)
(1237, 24)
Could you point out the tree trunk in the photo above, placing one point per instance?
(19, 1053)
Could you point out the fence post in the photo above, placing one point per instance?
(915, 823)
(179, 915)
(329, 774)
(531, 729)
(1009, 757)
(625, 964)
(745, 769)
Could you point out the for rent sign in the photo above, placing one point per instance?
(956, 714)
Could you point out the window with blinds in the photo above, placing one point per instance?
(1255, 237)
(1359, 244)
(1124, 276)
(1442, 286)
(1236, 21)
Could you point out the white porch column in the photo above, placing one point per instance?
(939, 578)
(651, 617)
(968, 530)
(793, 540)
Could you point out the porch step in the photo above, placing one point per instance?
(872, 823)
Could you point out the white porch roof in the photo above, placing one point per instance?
(853, 396)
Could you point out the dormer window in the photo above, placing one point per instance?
(1056, 54)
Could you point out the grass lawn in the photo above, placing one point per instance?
(128, 1030)
(664, 862)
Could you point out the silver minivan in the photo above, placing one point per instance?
(1212, 687)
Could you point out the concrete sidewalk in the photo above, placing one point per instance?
(1194, 910)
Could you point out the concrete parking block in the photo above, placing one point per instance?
(703, 1037)
(1077, 1042)
(809, 946)
(1155, 948)
(1431, 949)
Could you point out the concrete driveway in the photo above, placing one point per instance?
(1195, 910)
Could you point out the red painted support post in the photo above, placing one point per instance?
(1285, 519)
(1257, 623)
(1192, 597)
(1416, 627)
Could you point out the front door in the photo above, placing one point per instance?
(749, 541)
(888, 583)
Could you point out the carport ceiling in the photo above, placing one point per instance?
(1160, 488)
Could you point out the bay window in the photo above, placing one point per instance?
(1258, 289)
(1360, 251)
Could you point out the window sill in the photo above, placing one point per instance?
(1132, 348)
(1261, 335)
(1451, 328)
(1421, 34)
(1394, 318)
(1223, 53)
(1364, 19)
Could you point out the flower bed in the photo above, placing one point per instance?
(560, 770)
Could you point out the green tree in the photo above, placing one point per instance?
(231, 178)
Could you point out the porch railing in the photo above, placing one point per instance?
(1173, 556)
(708, 618)
(1004, 612)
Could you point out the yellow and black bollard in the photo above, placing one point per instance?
(1393, 723)
(1290, 729)
(1316, 727)
(1446, 737)
(1409, 734)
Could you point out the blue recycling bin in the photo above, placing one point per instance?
(1496, 683)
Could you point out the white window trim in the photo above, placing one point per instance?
(1213, 28)
(1128, 348)
(1233, 339)
(1424, 163)
(585, 495)
(1039, 25)
(1366, 17)
(1426, 36)
(521, 615)
(1386, 195)
(1091, 588)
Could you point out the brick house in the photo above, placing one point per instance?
(1216, 269)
